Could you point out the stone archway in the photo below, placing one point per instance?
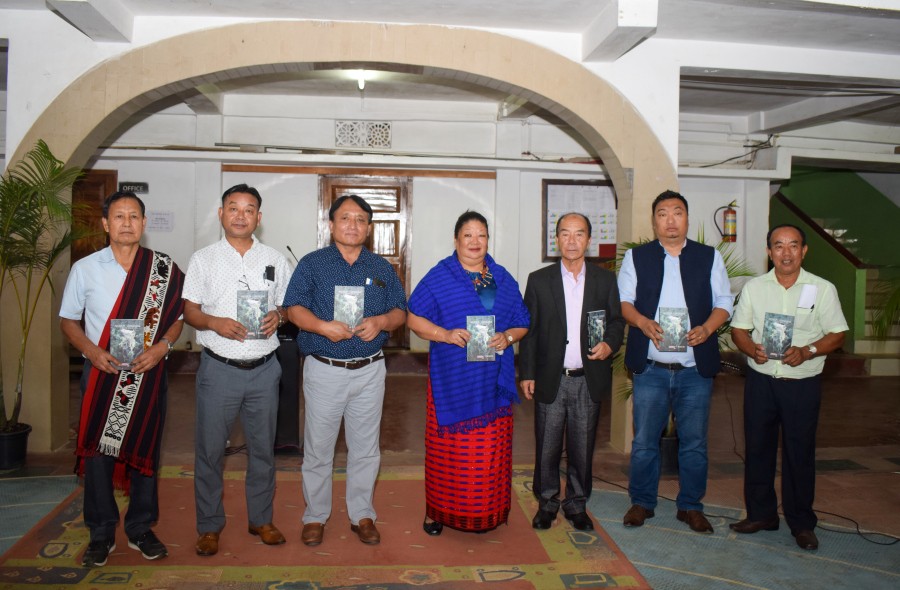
(91, 107)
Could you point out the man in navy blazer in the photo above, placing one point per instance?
(563, 373)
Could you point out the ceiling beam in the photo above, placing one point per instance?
(619, 27)
(101, 20)
(817, 111)
(514, 107)
(207, 100)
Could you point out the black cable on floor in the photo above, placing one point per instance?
(864, 535)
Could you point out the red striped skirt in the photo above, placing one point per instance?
(468, 475)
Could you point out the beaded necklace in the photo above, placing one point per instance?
(482, 280)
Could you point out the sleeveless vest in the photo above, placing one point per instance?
(696, 262)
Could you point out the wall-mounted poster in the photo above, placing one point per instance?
(596, 199)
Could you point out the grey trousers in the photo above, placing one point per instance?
(223, 393)
(356, 396)
(570, 419)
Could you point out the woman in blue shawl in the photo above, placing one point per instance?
(468, 436)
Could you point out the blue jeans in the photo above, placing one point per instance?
(687, 394)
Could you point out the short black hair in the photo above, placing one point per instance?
(356, 199)
(783, 225)
(118, 196)
(666, 195)
(466, 218)
(581, 215)
(243, 188)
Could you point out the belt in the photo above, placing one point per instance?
(240, 363)
(669, 366)
(351, 365)
(573, 372)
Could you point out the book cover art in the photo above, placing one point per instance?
(349, 305)
(676, 325)
(596, 327)
(778, 331)
(126, 340)
(252, 307)
(481, 329)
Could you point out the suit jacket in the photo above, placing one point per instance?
(543, 349)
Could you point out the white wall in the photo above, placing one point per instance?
(887, 183)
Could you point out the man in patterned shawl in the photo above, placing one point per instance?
(123, 406)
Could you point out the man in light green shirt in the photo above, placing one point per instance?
(783, 388)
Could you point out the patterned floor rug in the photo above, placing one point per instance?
(514, 556)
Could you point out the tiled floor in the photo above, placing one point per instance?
(858, 456)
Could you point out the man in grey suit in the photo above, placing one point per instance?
(564, 373)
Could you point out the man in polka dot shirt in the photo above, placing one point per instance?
(238, 372)
(343, 374)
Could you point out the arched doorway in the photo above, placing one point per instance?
(86, 112)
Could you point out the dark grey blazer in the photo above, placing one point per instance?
(543, 349)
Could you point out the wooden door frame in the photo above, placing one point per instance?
(402, 181)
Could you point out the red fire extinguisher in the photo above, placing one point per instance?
(729, 222)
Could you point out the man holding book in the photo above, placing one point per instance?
(783, 390)
(230, 297)
(565, 366)
(134, 293)
(684, 285)
(345, 300)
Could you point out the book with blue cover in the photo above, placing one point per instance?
(349, 304)
(596, 327)
(252, 307)
(481, 330)
(126, 341)
(675, 324)
(777, 334)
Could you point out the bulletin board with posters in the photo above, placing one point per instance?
(595, 199)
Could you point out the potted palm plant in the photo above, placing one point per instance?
(736, 267)
(35, 230)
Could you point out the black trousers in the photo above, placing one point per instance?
(790, 406)
(571, 418)
(101, 513)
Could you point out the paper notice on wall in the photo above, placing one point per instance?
(160, 221)
(598, 203)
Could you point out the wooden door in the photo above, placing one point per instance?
(391, 229)
(88, 195)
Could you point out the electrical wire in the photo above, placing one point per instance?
(868, 536)
(761, 145)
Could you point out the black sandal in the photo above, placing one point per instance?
(433, 528)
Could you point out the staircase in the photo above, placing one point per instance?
(883, 354)
(851, 232)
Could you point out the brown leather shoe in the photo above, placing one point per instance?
(208, 544)
(695, 520)
(312, 533)
(636, 515)
(367, 532)
(267, 533)
(748, 527)
(806, 540)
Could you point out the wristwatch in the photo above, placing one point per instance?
(812, 350)
(509, 339)
(169, 345)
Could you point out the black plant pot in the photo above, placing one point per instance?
(668, 455)
(13, 447)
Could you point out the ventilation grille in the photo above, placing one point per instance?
(362, 134)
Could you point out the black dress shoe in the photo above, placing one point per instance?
(433, 528)
(581, 521)
(543, 519)
(748, 527)
(806, 540)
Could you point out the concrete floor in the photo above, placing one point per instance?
(858, 442)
